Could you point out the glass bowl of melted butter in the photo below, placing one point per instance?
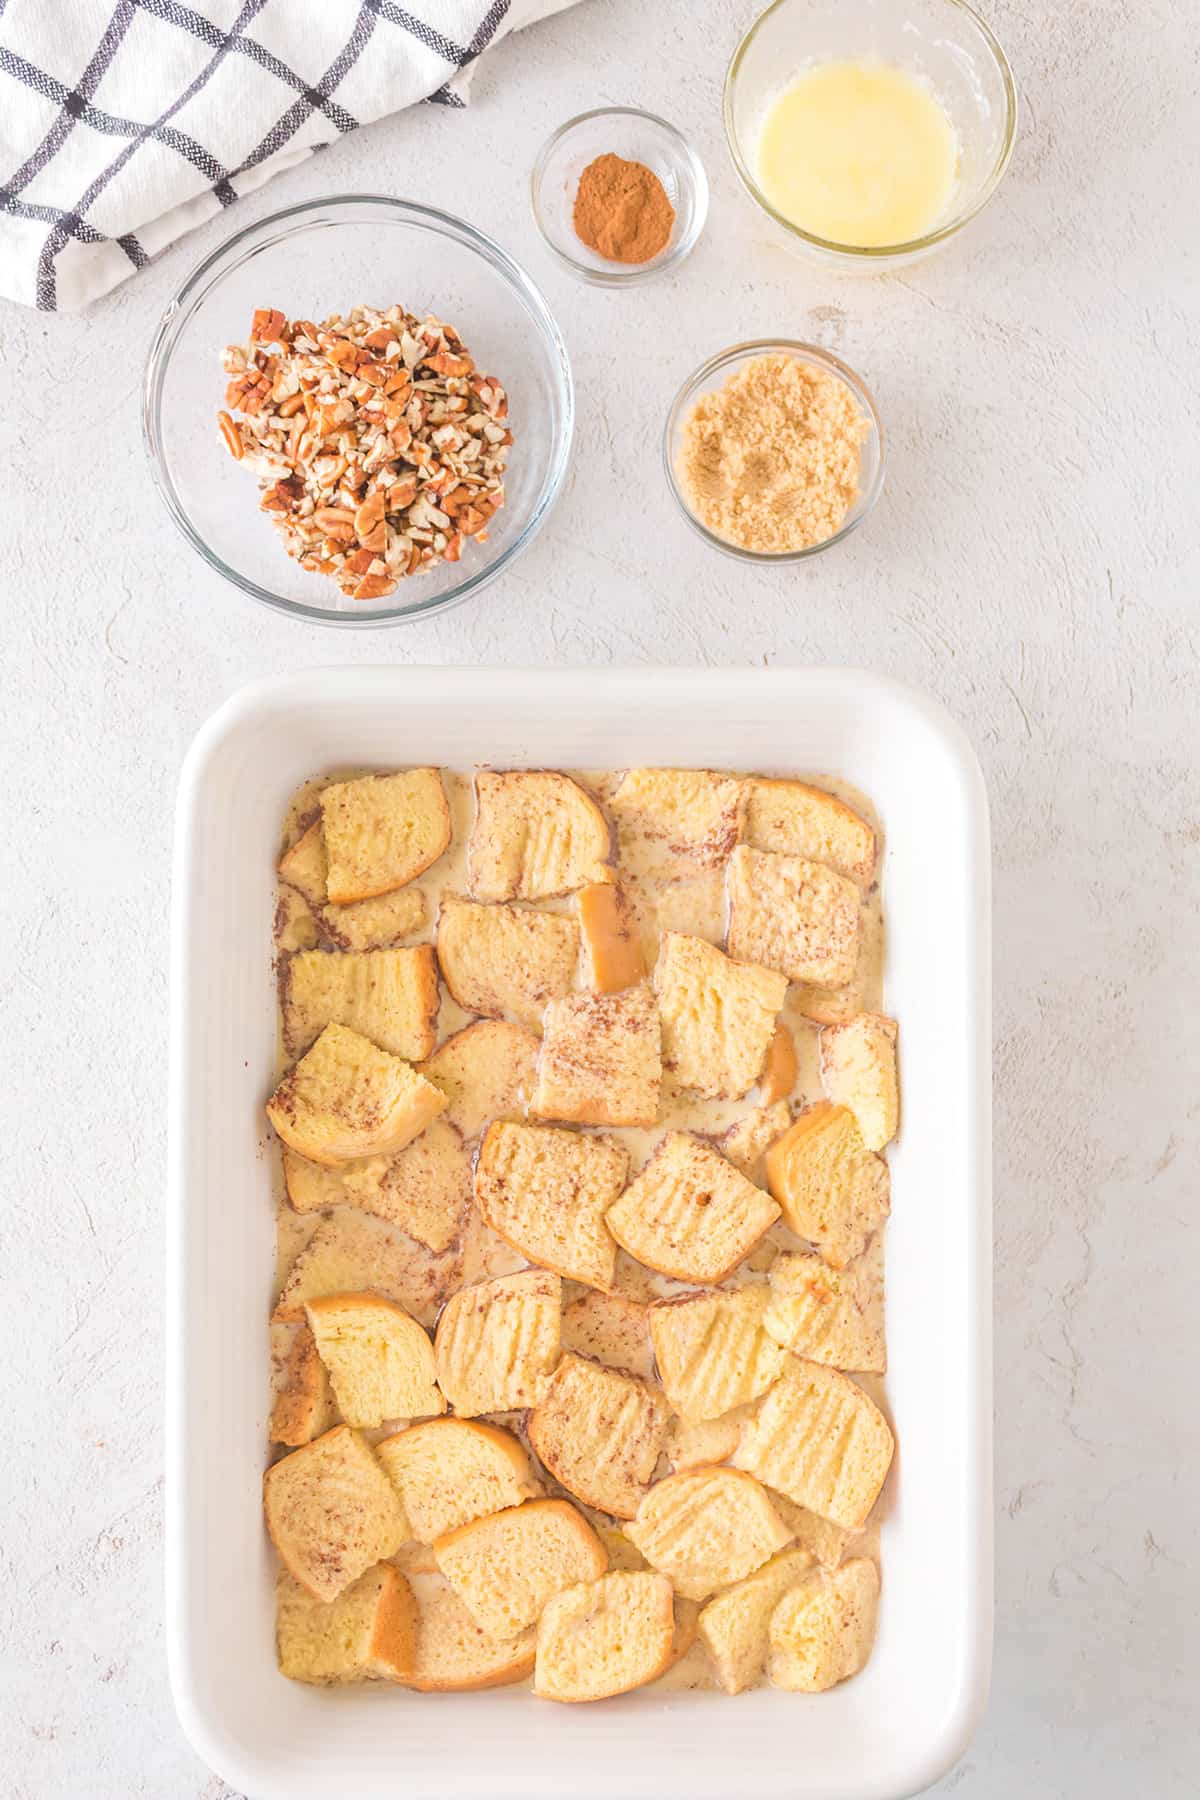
(870, 132)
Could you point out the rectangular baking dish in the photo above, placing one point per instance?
(905, 1720)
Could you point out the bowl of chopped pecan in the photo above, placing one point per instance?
(359, 410)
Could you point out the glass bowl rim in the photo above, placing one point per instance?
(865, 504)
(621, 277)
(876, 252)
(205, 275)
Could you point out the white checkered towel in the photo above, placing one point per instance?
(126, 123)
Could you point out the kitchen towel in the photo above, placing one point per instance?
(126, 123)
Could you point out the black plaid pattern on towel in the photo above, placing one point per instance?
(124, 125)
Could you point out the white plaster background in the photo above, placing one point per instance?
(1033, 562)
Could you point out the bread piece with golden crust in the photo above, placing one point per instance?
(450, 1471)
(505, 960)
(675, 822)
(712, 1351)
(612, 946)
(799, 917)
(734, 1627)
(379, 1359)
(369, 1633)
(537, 833)
(389, 996)
(486, 1072)
(707, 1528)
(605, 1637)
(610, 1329)
(822, 1629)
(830, 1315)
(858, 1070)
(454, 1654)
(546, 1191)
(599, 1432)
(689, 1213)
(830, 1188)
(507, 1566)
(332, 1512)
(364, 924)
(497, 1343)
(303, 1404)
(347, 1099)
(821, 1441)
(793, 819)
(718, 1016)
(353, 1252)
(600, 1062)
(382, 831)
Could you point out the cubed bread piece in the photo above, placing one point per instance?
(348, 1099)
(379, 1359)
(303, 865)
(332, 1512)
(829, 1315)
(369, 1633)
(718, 1016)
(389, 996)
(793, 819)
(504, 1568)
(818, 1438)
(747, 1140)
(838, 1005)
(486, 1072)
(450, 1471)
(707, 1528)
(610, 1329)
(425, 1190)
(536, 833)
(831, 1189)
(497, 1343)
(605, 1637)
(858, 1070)
(303, 1405)
(822, 1630)
(382, 831)
(375, 924)
(454, 1653)
(600, 1062)
(702, 1445)
(612, 945)
(500, 960)
(799, 917)
(547, 1192)
(712, 1351)
(674, 822)
(599, 1432)
(821, 1537)
(352, 1252)
(689, 1213)
(734, 1626)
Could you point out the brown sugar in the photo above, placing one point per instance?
(622, 211)
(771, 460)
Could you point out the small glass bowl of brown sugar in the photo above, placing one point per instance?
(619, 196)
(774, 451)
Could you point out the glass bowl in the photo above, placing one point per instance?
(638, 137)
(309, 261)
(712, 375)
(941, 42)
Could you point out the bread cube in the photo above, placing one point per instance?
(353, 1252)
(718, 1016)
(454, 1653)
(332, 1512)
(689, 1213)
(505, 960)
(486, 1072)
(347, 1099)
(707, 1528)
(858, 1070)
(605, 1637)
(425, 1190)
(829, 1315)
(369, 1633)
(547, 1191)
(610, 1329)
(676, 822)
(791, 818)
(599, 1432)
(799, 917)
(389, 996)
(746, 1142)
(536, 833)
(831, 1189)
(822, 1630)
(817, 1437)
(600, 1062)
(450, 1471)
(382, 831)
(375, 924)
(712, 1351)
(380, 1361)
(734, 1626)
(497, 1343)
(505, 1567)
(612, 947)
(303, 1405)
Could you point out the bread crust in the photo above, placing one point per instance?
(505, 961)
(599, 1432)
(689, 1214)
(388, 996)
(450, 1471)
(347, 1099)
(795, 819)
(453, 1653)
(506, 1566)
(331, 1512)
(830, 1188)
(547, 1191)
(605, 1637)
(799, 917)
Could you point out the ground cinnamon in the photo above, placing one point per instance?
(622, 211)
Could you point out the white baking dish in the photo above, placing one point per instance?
(906, 1719)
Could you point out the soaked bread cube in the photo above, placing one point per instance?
(303, 1404)
(450, 1471)
(747, 1140)
(486, 1072)
(830, 1315)
(505, 960)
(536, 834)
(497, 1343)
(605, 1637)
(454, 1653)
(799, 917)
(707, 1528)
(612, 946)
(818, 1438)
(831, 1189)
(380, 1361)
(332, 1512)
(375, 924)
(382, 831)
(352, 1252)
(599, 1433)
(369, 1633)
(689, 1214)
(793, 819)
(610, 1329)
(600, 1062)
(425, 1190)
(712, 1351)
(858, 1070)
(546, 1191)
(348, 1099)
(389, 996)
(675, 822)
(822, 1630)
(734, 1626)
(505, 1567)
(718, 1016)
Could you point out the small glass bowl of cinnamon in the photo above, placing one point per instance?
(620, 181)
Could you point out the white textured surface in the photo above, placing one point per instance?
(1034, 562)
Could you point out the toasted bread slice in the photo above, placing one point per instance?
(505, 960)
(454, 1653)
(703, 1445)
(707, 1528)
(824, 1540)
(332, 1512)
(858, 1070)
(793, 819)
(799, 917)
(303, 865)
(497, 1343)
(380, 1361)
(536, 834)
(599, 1432)
(450, 1471)
(746, 1142)
(822, 1630)
(601, 1062)
(547, 1192)
(712, 1351)
(382, 831)
(610, 1329)
(818, 1438)
(831, 1189)
(605, 1637)
(675, 822)
(486, 1072)
(734, 1626)
(374, 924)
(369, 1633)
(612, 946)
(352, 1252)
(829, 1315)
(425, 1190)
(689, 1213)
(348, 1099)
(504, 1568)
(303, 1405)
(389, 996)
(718, 1016)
